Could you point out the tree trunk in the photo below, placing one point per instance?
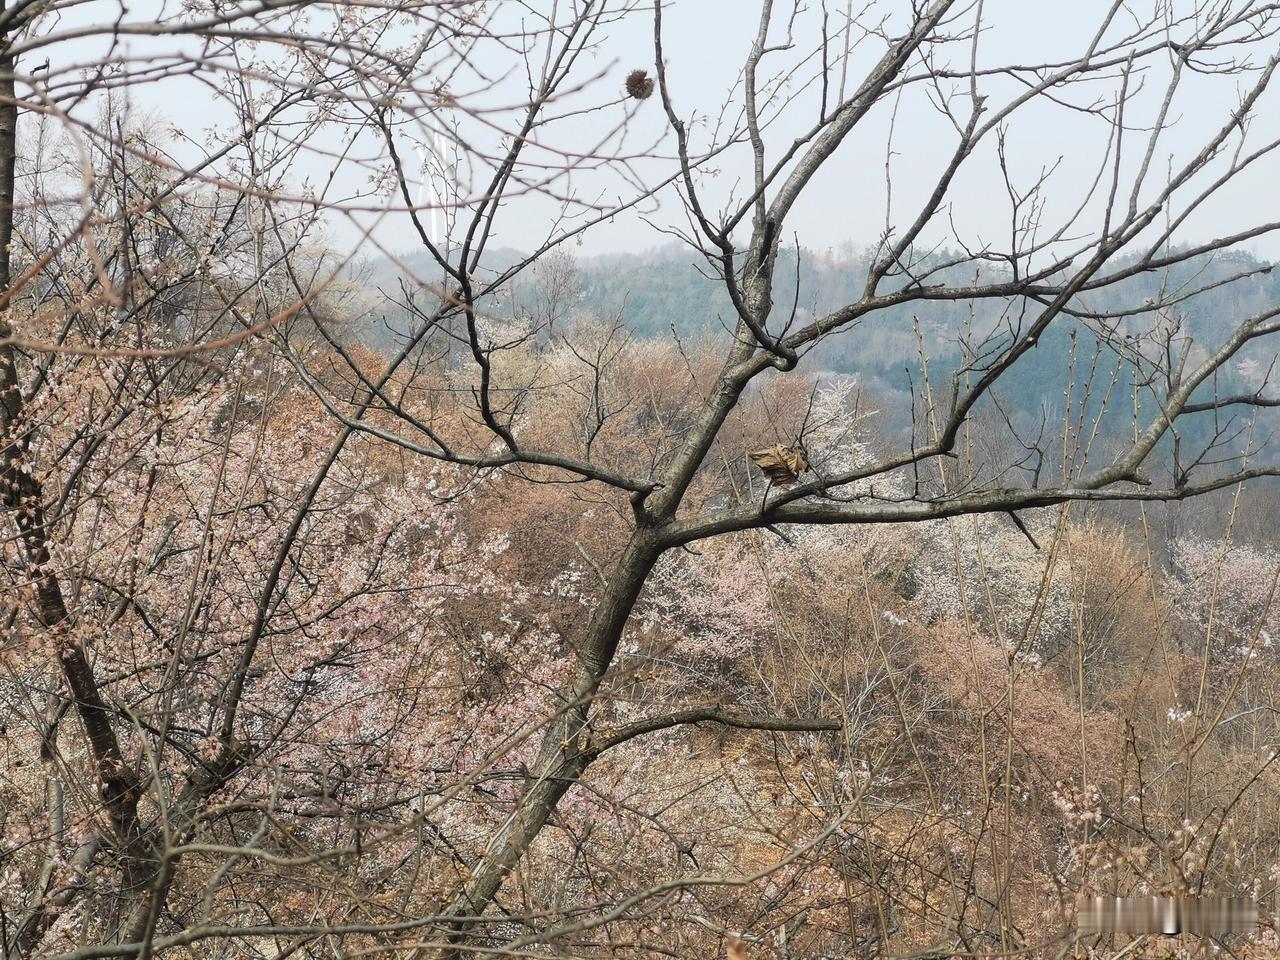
(564, 754)
(23, 497)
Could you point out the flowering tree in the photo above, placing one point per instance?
(367, 651)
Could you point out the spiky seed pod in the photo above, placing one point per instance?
(639, 84)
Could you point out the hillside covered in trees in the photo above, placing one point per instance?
(666, 296)
(882, 565)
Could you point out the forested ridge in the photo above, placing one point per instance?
(389, 572)
(665, 295)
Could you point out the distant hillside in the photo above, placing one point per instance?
(669, 291)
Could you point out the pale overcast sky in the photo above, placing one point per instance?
(707, 41)
(706, 44)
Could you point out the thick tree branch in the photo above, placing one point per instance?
(743, 721)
